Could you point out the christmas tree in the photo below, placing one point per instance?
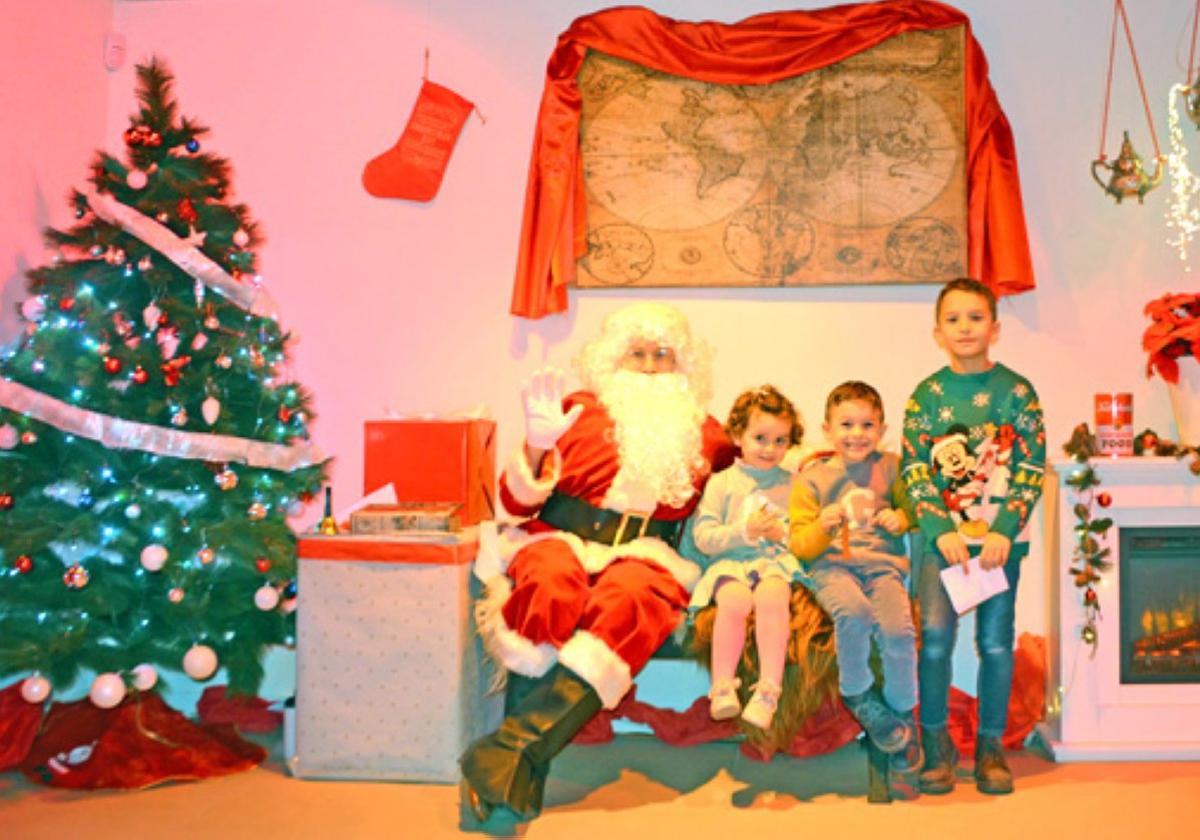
(152, 443)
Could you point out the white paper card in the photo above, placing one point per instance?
(968, 589)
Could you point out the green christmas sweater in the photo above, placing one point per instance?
(974, 455)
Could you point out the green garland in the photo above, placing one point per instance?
(1089, 559)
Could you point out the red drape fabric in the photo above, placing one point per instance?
(758, 50)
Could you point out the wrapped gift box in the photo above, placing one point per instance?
(406, 516)
(391, 679)
(434, 461)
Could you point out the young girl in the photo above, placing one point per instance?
(740, 529)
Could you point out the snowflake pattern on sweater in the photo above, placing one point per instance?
(974, 454)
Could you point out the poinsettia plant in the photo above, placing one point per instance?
(1174, 332)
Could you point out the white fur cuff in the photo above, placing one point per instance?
(503, 644)
(521, 482)
(597, 663)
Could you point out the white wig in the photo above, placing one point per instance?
(656, 322)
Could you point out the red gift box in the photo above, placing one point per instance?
(435, 461)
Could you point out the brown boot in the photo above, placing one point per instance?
(991, 771)
(941, 756)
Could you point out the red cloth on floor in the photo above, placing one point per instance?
(139, 743)
(19, 722)
(1026, 704)
(247, 713)
(758, 50)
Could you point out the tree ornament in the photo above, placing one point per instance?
(200, 662)
(256, 357)
(210, 319)
(96, 250)
(136, 179)
(144, 676)
(23, 564)
(76, 577)
(180, 418)
(186, 211)
(284, 414)
(133, 511)
(86, 500)
(192, 145)
(8, 436)
(38, 365)
(35, 689)
(175, 595)
(145, 263)
(1089, 596)
(226, 479)
(163, 217)
(33, 308)
(6, 501)
(154, 557)
(108, 690)
(29, 438)
(139, 375)
(224, 362)
(262, 564)
(266, 598)
(205, 555)
(66, 303)
(112, 365)
(257, 510)
(241, 238)
(210, 409)
(199, 341)
(1104, 500)
(150, 316)
(104, 348)
(289, 591)
(168, 341)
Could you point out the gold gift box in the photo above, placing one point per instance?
(406, 516)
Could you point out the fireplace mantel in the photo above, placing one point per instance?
(1092, 716)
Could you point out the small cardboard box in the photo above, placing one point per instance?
(391, 678)
(434, 461)
(406, 516)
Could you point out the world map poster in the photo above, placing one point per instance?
(851, 174)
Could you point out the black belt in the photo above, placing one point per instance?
(568, 513)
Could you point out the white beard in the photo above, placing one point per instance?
(658, 436)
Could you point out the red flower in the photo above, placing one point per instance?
(1175, 332)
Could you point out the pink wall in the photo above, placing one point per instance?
(404, 306)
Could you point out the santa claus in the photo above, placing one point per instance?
(591, 584)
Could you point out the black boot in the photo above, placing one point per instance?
(909, 760)
(883, 727)
(508, 768)
(941, 757)
(991, 771)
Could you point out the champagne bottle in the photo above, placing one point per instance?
(328, 523)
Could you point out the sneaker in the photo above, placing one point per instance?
(941, 757)
(883, 727)
(908, 760)
(723, 702)
(991, 771)
(760, 711)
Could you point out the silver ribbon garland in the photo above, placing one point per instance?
(116, 433)
(250, 297)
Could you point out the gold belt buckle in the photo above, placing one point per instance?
(621, 526)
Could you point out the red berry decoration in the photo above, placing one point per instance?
(186, 211)
(66, 303)
(23, 564)
(139, 375)
(163, 320)
(262, 564)
(1104, 500)
(112, 365)
(285, 414)
(1089, 596)
(6, 501)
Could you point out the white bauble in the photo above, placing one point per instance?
(108, 690)
(150, 316)
(266, 598)
(8, 436)
(136, 179)
(33, 308)
(210, 410)
(154, 557)
(200, 662)
(144, 677)
(35, 689)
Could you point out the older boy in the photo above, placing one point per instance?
(974, 454)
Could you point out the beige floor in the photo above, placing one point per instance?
(637, 788)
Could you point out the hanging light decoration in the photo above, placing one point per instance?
(1183, 211)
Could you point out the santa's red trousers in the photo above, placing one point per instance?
(632, 605)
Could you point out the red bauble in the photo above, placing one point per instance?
(23, 564)
(170, 376)
(6, 501)
(186, 210)
(112, 365)
(163, 320)
(1089, 596)
(285, 414)
(139, 375)
(66, 303)
(1104, 500)
(262, 564)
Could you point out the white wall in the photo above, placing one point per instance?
(405, 306)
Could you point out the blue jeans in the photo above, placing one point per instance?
(866, 601)
(994, 620)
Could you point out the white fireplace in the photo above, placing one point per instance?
(1093, 714)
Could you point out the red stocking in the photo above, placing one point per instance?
(414, 167)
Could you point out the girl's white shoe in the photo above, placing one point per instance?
(723, 700)
(760, 711)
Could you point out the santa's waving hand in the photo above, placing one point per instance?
(590, 584)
